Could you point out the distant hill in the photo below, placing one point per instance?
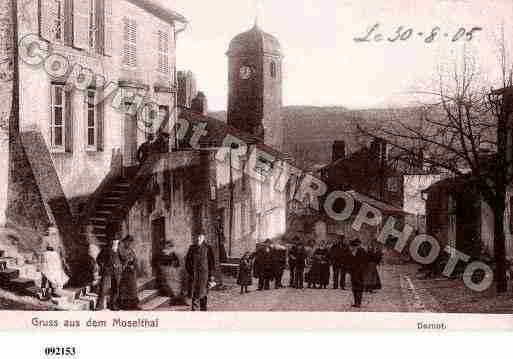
(310, 131)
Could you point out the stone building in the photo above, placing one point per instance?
(367, 171)
(248, 183)
(458, 217)
(95, 78)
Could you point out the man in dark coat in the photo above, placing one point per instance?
(292, 262)
(300, 266)
(279, 261)
(145, 149)
(263, 267)
(111, 269)
(357, 262)
(200, 264)
(338, 257)
(161, 143)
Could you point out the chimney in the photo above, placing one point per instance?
(338, 150)
(379, 148)
(200, 104)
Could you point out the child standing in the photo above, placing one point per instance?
(244, 278)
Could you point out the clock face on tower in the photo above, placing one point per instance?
(245, 72)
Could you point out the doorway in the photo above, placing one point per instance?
(130, 141)
(197, 225)
(158, 239)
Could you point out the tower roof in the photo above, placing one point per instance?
(254, 41)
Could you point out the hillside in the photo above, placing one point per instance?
(310, 131)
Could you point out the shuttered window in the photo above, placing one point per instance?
(129, 54)
(60, 124)
(93, 121)
(163, 52)
(107, 27)
(81, 23)
(52, 20)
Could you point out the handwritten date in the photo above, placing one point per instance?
(403, 33)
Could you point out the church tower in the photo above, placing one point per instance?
(255, 86)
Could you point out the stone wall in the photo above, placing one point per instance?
(172, 196)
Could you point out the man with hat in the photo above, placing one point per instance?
(200, 266)
(338, 258)
(111, 269)
(357, 261)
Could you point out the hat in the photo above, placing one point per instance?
(355, 243)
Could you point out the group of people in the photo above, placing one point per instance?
(116, 268)
(342, 258)
(118, 273)
(267, 264)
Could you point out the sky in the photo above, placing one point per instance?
(324, 66)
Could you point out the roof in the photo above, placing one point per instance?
(217, 130)
(385, 208)
(254, 41)
(159, 11)
(452, 183)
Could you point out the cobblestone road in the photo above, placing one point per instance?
(394, 297)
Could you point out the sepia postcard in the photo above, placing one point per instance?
(341, 165)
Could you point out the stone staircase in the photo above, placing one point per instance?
(82, 298)
(11, 280)
(106, 207)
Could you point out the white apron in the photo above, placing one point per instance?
(52, 269)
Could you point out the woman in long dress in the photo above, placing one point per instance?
(372, 280)
(128, 299)
(53, 275)
(244, 278)
(319, 273)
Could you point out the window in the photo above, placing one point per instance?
(273, 69)
(237, 218)
(93, 26)
(92, 121)
(164, 118)
(129, 56)
(394, 184)
(107, 27)
(163, 52)
(58, 120)
(84, 24)
(52, 15)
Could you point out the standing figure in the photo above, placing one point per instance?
(168, 265)
(263, 267)
(372, 280)
(161, 143)
(200, 265)
(145, 149)
(300, 266)
(324, 266)
(128, 299)
(110, 276)
(292, 262)
(53, 274)
(338, 255)
(244, 278)
(357, 262)
(319, 273)
(279, 262)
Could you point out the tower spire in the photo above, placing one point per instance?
(258, 10)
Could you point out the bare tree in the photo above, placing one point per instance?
(463, 130)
